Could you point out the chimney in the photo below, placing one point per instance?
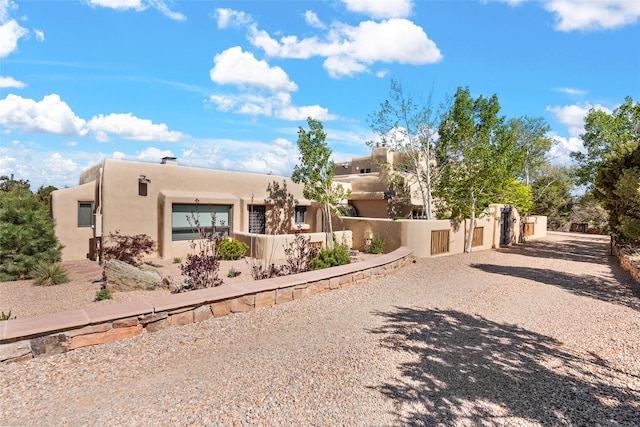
(169, 161)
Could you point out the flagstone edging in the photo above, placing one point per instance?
(57, 333)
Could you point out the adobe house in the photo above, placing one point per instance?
(156, 199)
(381, 185)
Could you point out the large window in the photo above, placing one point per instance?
(181, 215)
(85, 214)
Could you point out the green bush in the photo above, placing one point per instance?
(377, 246)
(233, 273)
(103, 294)
(5, 316)
(232, 249)
(326, 258)
(177, 260)
(47, 274)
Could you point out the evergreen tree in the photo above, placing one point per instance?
(27, 235)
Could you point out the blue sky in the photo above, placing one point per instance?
(225, 84)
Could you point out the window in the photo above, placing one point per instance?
(301, 214)
(181, 229)
(365, 170)
(257, 219)
(85, 214)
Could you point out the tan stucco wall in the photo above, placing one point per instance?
(64, 209)
(125, 210)
(416, 234)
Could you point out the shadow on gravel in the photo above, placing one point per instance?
(467, 370)
(592, 251)
(617, 288)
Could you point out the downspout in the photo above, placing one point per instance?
(97, 230)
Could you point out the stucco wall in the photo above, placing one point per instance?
(417, 234)
(64, 208)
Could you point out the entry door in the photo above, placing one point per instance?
(257, 219)
(505, 227)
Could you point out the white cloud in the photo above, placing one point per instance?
(138, 6)
(233, 66)
(560, 152)
(10, 33)
(350, 50)
(278, 105)
(153, 154)
(39, 35)
(130, 127)
(232, 18)
(59, 166)
(11, 82)
(593, 15)
(573, 116)
(380, 9)
(51, 115)
(312, 19)
(572, 92)
(119, 4)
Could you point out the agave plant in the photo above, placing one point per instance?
(47, 274)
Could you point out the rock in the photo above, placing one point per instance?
(49, 345)
(125, 277)
(174, 285)
(15, 350)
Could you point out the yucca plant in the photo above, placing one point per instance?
(47, 274)
(6, 316)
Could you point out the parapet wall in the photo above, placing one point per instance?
(38, 336)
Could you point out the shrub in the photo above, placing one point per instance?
(6, 316)
(177, 260)
(201, 268)
(232, 249)
(47, 274)
(129, 249)
(233, 273)
(326, 258)
(299, 255)
(103, 294)
(377, 246)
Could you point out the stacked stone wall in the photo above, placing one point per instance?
(23, 339)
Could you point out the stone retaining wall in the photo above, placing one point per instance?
(628, 263)
(38, 336)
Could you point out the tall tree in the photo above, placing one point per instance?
(610, 165)
(408, 127)
(478, 155)
(316, 171)
(531, 134)
(552, 186)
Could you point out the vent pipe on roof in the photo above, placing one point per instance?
(169, 161)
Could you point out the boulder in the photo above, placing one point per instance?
(126, 277)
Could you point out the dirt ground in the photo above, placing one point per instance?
(24, 299)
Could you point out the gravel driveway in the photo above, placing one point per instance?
(546, 333)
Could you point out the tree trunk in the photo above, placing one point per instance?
(473, 221)
(327, 211)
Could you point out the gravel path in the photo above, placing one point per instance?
(546, 333)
